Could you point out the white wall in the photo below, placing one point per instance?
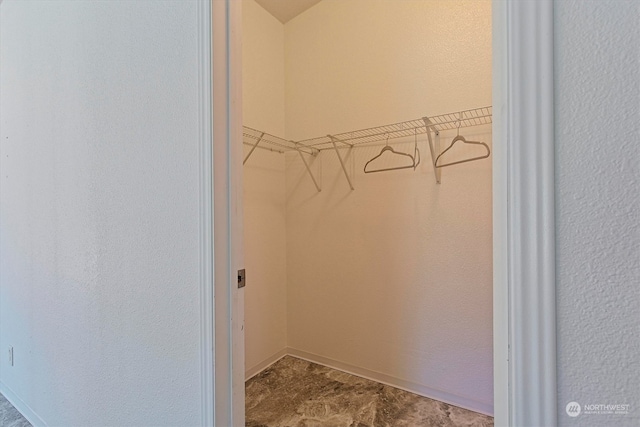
(394, 278)
(99, 235)
(383, 62)
(598, 207)
(264, 189)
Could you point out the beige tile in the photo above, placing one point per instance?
(297, 393)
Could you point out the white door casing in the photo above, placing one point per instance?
(524, 231)
(222, 317)
(523, 226)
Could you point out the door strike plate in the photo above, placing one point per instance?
(241, 279)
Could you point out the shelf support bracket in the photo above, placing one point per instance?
(253, 148)
(344, 169)
(435, 150)
(306, 165)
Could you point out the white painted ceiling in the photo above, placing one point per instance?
(284, 10)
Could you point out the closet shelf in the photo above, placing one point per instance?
(266, 141)
(270, 142)
(461, 119)
(411, 128)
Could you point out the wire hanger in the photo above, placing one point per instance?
(416, 152)
(387, 147)
(461, 138)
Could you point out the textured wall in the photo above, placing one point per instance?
(396, 276)
(598, 207)
(264, 188)
(99, 236)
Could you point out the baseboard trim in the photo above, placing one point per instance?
(255, 370)
(409, 386)
(21, 406)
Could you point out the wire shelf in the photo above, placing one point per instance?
(267, 141)
(461, 119)
(409, 128)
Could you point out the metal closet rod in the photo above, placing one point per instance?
(275, 150)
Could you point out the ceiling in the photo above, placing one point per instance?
(284, 10)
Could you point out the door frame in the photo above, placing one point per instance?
(524, 316)
(221, 247)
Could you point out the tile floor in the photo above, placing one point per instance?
(297, 393)
(9, 416)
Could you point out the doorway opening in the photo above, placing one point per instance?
(384, 275)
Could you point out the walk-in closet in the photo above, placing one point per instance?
(368, 212)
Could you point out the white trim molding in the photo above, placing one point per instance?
(256, 369)
(399, 383)
(524, 229)
(236, 206)
(24, 409)
(222, 257)
(227, 311)
(205, 100)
